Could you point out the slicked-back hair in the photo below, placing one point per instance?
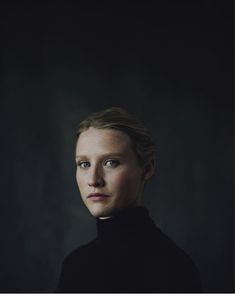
(119, 119)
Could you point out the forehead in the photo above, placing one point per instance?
(93, 141)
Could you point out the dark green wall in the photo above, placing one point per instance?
(171, 65)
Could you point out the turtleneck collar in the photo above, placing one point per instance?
(130, 219)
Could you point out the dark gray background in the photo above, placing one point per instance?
(170, 64)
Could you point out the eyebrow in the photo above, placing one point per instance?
(102, 155)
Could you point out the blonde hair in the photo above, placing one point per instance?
(118, 119)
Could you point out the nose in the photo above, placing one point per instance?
(95, 177)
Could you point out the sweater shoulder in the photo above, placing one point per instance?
(165, 245)
(174, 264)
(159, 249)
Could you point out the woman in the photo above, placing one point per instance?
(115, 157)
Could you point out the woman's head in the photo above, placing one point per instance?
(115, 156)
(118, 119)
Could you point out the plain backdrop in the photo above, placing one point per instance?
(169, 63)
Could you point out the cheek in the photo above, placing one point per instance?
(80, 182)
(124, 181)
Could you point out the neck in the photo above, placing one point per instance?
(104, 218)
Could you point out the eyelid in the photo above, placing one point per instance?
(80, 162)
(116, 161)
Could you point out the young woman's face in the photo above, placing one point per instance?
(108, 174)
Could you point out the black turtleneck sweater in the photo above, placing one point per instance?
(129, 254)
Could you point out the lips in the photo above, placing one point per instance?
(97, 196)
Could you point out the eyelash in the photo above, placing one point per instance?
(80, 163)
(114, 161)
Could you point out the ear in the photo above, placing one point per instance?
(149, 170)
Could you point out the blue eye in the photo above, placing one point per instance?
(112, 163)
(83, 164)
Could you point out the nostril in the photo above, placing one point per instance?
(96, 183)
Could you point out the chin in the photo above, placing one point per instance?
(101, 212)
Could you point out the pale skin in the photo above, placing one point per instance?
(107, 164)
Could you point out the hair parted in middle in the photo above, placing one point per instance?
(119, 119)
